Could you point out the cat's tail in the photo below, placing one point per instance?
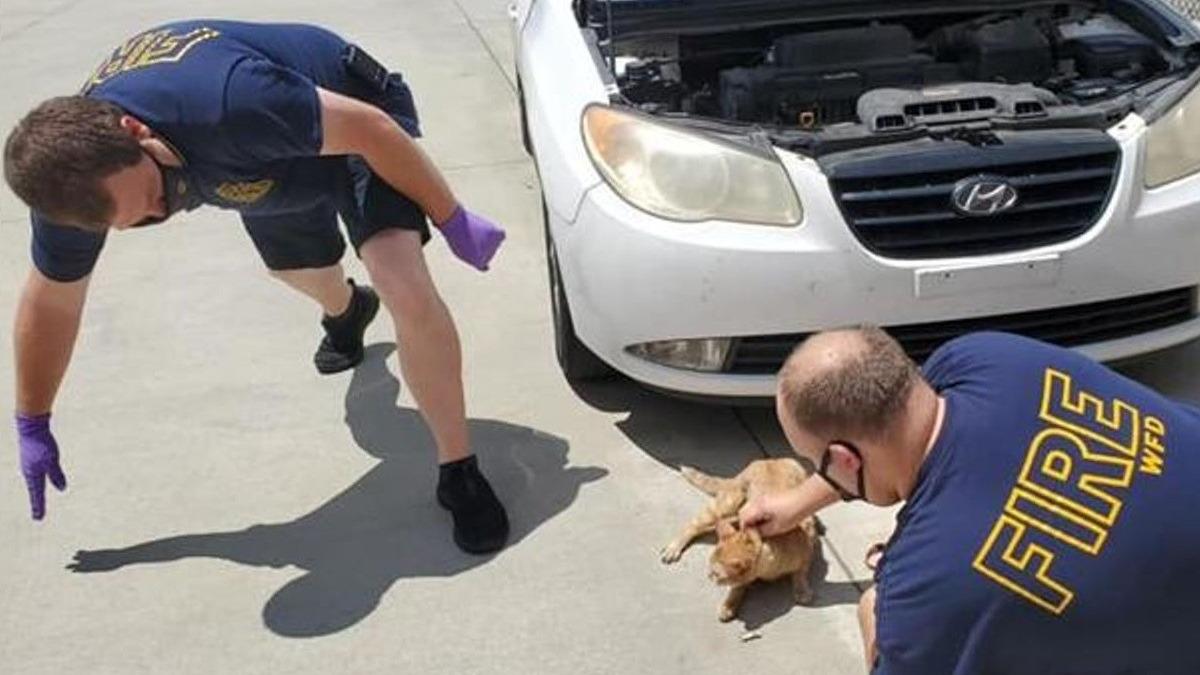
(706, 483)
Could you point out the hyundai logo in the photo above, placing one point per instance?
(983, 196)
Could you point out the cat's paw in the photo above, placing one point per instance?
(726, 614)
(672, 552)
(805, 597)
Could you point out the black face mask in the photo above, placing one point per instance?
(177, 193)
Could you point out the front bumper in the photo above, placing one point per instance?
(633, 278)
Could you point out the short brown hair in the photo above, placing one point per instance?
(58, 154)
(859, 391)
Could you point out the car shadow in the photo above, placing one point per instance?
(672, 431)
(1171, 372)
(386, 526)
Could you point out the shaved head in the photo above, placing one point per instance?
(848, 383)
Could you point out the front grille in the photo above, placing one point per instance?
(1189, 8)
(1066, 326)
(898, 202)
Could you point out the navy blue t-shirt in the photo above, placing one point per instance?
(1054, 528)
(238, 102)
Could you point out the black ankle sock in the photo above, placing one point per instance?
(342, 346)
(464, 464)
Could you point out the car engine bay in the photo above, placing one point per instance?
(1064, 64)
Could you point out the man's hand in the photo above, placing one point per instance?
(39, 460)
(773, 513)
(472, 238)
(780, 512)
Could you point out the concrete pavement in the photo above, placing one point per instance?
(231, 511)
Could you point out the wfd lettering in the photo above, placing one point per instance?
(1070, 488)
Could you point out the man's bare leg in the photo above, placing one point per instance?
(326, 285)
(430, 356)
(866, 622)
(431, 363)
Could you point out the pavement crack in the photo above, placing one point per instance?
(740, 416)
(479, 34)
(487, 165)
(8, 35)
(862, 586)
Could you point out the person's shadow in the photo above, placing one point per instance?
(387, 525)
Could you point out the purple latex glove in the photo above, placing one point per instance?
(473, 239)
(39, 460)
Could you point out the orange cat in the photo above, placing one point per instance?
(742, 555)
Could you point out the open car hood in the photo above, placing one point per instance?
(625, 18)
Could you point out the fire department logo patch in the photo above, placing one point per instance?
(245, 193)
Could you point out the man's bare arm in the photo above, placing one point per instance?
(351, 127)
(47, 324)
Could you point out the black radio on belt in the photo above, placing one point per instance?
(362, 65)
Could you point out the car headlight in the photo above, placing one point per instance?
(1173, 143)
(685, 176)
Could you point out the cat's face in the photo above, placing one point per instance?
(734, 560)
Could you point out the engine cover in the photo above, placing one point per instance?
(1012, 51)
(896, 109)
(1103, 47)
(815, 79)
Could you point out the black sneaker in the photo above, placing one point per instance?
(480, 523)
(342, 347)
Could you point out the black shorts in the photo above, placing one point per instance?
(366, 203)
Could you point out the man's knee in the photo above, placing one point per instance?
(409, 300)
(396, 264)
